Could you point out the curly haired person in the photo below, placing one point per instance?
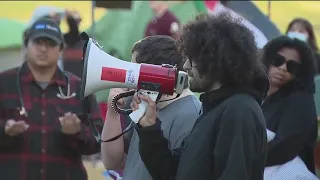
(228, 140)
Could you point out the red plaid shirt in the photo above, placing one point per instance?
(43, 152)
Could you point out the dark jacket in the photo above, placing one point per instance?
(228, 141)
(291, 114)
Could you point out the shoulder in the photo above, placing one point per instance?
(9, 72)
(188, 105)
(185, 112)
(8, 75)
(242, 107)
(241, 102)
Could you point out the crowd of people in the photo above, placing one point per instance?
(255, 119)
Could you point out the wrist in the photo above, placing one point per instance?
(147, 122)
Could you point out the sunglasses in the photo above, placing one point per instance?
(292, 66)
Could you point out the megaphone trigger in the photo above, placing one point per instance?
(137, 114)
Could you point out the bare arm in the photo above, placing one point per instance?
(113, 153)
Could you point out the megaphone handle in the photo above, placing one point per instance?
(137, 114)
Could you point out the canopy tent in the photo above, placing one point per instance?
(11, 33)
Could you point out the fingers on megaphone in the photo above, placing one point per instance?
(135, 102)
(145, 98)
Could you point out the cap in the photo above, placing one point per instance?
(46, 28)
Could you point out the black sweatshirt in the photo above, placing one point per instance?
(228, 141)
(292, 116)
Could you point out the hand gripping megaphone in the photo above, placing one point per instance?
(103, 71)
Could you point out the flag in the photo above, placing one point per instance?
(215, 7)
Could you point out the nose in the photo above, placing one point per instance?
(283, 67)
(43, 47)
(187, 65)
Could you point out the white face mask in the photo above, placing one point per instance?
(297, 35)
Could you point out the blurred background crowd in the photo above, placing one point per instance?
(117, 25)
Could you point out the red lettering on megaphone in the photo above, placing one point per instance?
(113, 74)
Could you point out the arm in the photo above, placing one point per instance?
(73, 35)
(113, 153)
(161, 162)
(5, 140)
(239, 142)
(295, 125)
(84, 142)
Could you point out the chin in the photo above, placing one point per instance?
(196, 88)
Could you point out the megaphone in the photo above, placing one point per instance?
(103, 71)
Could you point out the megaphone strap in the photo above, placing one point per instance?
(116, 99)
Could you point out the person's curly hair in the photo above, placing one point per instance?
(304, 79)
(223, 49)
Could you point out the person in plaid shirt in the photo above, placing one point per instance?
(43, 132)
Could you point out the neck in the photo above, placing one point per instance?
(215, 87)
(42, 74)
(161, 10)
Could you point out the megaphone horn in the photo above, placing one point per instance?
(103, 71)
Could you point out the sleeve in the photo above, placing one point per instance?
(161, 162)
(85, 142)
(5, 140)
(297, 121)
(239, 140)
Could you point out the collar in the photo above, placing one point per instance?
(282, 92)
(27, 77)
(185, 92)
(213, 98)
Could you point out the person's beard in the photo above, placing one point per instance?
(198, 84)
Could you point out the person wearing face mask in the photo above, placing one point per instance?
(289, 108)
(302, 29)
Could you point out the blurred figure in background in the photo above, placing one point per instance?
(43, 127)
(302, 29)
(289, 108)
(164, 22)
(70, 59)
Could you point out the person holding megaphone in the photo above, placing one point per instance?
(178, 114)
(228, 140)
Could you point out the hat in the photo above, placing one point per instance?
(46, 28)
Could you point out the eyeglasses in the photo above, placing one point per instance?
(292, 66)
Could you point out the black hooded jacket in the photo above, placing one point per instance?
(228, 141)
(290, 112)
